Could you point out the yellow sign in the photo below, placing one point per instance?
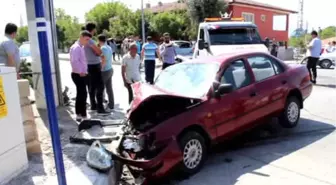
(3, 105)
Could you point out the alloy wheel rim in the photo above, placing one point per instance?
(325, 64)
(293, 112)
(192, 154)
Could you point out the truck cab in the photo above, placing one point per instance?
(221, 35)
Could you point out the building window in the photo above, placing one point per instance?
(248, 17)
(263, 18)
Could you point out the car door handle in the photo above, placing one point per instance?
(284, 82)
(252, 94)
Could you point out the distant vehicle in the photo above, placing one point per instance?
(183, 48)
(225, 35)
(326, 61)
(25, 52)
(173, 124)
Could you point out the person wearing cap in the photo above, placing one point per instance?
(148, 54)
(313, 53)
(130, 69)
(167, 51)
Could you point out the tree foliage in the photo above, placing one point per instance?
(22, 35)
(106, 13)
(301, 42)
(171, 22)
(68, 28)
(116, 20)
(328, 32)
(200, 9)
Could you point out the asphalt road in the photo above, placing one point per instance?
(303, 155)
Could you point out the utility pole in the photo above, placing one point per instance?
(300, 15)
(143, 22)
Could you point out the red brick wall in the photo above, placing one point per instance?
(265, 28)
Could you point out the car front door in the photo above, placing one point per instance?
(271, 84)
(230, 109)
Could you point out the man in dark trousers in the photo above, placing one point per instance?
(95, 58)
(148, 54)
(313, 53)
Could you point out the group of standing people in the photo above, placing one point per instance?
(92, 69)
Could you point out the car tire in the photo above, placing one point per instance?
(325, 64)
(290, 116)
(194, 153)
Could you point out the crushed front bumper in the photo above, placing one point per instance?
(153, 168)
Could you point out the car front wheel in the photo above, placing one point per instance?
(290, 116)
(194, 153)
(325, 64)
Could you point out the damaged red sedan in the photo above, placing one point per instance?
(196, 104)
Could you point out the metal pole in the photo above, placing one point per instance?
(41, 25)
(143, 22)
(55, 47)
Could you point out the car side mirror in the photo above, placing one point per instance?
(223, 89)
(200, 44)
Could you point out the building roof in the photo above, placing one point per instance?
(259, 4)
(167, 7)
(161, 7)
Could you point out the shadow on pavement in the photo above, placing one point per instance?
(326, 85)
(230, 160)
(41, 166)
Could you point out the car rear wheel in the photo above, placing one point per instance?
(290, 116)
(194, 153)
(325, 64)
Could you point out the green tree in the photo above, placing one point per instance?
(328, 32)
(177, 23)
(22, 35)
(106, 13)
(68, 28)
(200, 9)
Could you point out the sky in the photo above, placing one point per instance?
(317, 13)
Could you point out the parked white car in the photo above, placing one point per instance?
(326, 60)
(25, 52)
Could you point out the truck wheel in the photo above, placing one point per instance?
(290, 116)
(325, 64)
(194, 153)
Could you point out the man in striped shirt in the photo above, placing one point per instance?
(148, 54)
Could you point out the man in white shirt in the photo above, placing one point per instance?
(314, 52)
(130, 70)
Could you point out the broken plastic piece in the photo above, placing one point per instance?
(98, 158)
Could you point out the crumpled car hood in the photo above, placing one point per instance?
(143, 92)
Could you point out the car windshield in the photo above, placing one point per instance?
(220, 36)
(188, 79)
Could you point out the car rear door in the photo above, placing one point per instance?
(271, 84)
(229, 111)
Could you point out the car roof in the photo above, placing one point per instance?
(223, 58)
